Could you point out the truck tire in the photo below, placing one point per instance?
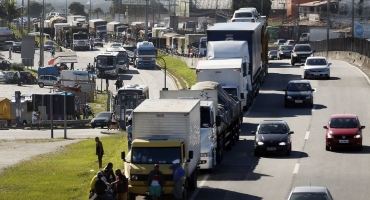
(220, 151)
(131, 196)
(233, 137)
(193, 180)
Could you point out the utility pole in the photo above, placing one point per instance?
(66, 8)
(146, 20)
(22, 22)
(90, 11)
(42, 35)
(28, 17)
(353, 25)
(261, 7)
(327, 27)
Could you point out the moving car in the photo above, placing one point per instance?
(316, 67)
(272, 136)
(101, 120)
(98, 42)
(7, 45)
(115, 45)
(280, 42)
(5, 65)
(298, 92)
(290, 42)
(300, 53)
(284, 51)
(245, 15)
(17, 47)
(47, 80)
(344, 130)
(48, 45)
(272, 54)
(310, 192)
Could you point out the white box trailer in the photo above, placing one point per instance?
(72, 18)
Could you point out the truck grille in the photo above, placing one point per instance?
(146, 58)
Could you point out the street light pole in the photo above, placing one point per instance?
(41, 62)
(66, 8)
(28, 17)
(327, 27)
(165, 72)
(353, 25)
(261, 7)
(146, 20)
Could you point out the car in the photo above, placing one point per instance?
(48, 45)
(280, 42)
(310, 192)
(300, 53)
(101, 120)
(2, 77)
(7, 45)
(272, 54)
(316, 67)
(284, 51)
(98, 42)
(343, 130)
(298, 92)
(17, 47)
(272, 136)
(48, 80)
(115, 45)
(290, 42)
(245, 15)
(8, 76)
(5, 65)
(26, 78)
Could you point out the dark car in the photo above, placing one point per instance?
(344, 130)
(298, 92)
(300, 53)
(284, 51)
(26, 78)
(101, 120)
(98, 42)
(272, 136)
(5, 65)
(48, 45)
(272, 54)
(310, 192)
(17, 47)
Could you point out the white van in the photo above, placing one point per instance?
(245, 15)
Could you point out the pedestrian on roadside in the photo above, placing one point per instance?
(155, 182)
(117, 83)
(72, 66)
(19, 78)
(92, 44)
(52, 51)
(39, 119)
(113, 121)
(10, 52)
(99, 151)
(111, 177)
(178, 174)
(34, 119)
(129, 134)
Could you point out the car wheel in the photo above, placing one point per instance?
(292, 63)
(41, 85)
(328, 78)
(327, 148)
(101, 126)
(311, 105)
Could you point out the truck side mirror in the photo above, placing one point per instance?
(191, 154)
(242, 95)
(218, 120)
(123, 155)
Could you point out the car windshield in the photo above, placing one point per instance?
(273, 52)
(151, 155)
(343, 123)
(302, 48)
(116, 45)
(243, 14)
(286, 47)
(316, 62)
(128, 112)
(104, 115)
(299, 87)
(49, 43)
(281, 41)
(309, 196)
(272, 129)
(97, 40)
(18, 43)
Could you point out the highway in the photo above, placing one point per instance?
(242, 175)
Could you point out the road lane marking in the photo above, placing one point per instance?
(307, 135)
(315, 89)
(296, 168)
(205, 178)
(313, 107)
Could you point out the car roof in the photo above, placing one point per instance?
(299, 81)
(343, 116)
(302, 45)
(316, 189)
(316, 57)
(273, 122)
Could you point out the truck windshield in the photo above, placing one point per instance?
(146, 52)
(101, 28)
(131, 99)
(80, 37)
(205, 118)
(105, 62)
(151, 155)
(232, 91)
(121, 29)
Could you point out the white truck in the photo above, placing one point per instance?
(163, 130)
(58, 26)
(72, 18)
(317, 34)
(226, 50)
(111, 27)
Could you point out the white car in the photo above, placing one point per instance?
(116, 45)
(316, 67)
(245, 15)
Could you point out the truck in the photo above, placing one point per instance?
(255, 34)
(162, 132)
(111, 27)
(79, 38)
(57, 28)
(192, 43)
(317, 34)
(235, 71)
(221, 50)
(98, 27)
(221, 118)
(106, 64)
(79, 23)
(72, 18)
(145, 55)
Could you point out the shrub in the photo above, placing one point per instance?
(17, 66)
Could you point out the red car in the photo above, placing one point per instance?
(344, 130)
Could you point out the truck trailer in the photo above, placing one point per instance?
(98, 27)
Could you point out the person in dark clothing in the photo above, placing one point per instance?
(111, 177)
(120, 186)
(99, 151)
(101, 187)
(118, 84)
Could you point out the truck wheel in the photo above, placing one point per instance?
(131, 196)
(220, 151)
(233, 139)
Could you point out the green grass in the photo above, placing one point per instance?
(62, 175)
(179, 69)
(100, 105)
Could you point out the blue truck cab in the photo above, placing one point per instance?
(145, 55)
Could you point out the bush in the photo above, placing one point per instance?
(17, 66)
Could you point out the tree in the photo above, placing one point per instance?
(255, 4)
(98, 11)
(11, 11)
(49, 7)
(76, 8)
(35, 9)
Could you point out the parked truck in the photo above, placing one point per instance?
(79, 38)
(221, 118)
(111, 27)
(98, 27)
(163, 131)
(72, 18)
(145, 55)
(256, 35)
(191, 41)
(317, 34)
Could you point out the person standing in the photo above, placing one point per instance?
(117, 83)
(10, 52)
(34, 119)
(178, 174)
(129, 134)
(19, 78)
(155, 182)
(99, 151)
(92, 44)
(120, 186)
(113, 121)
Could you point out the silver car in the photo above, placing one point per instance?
(7, 45)
(310, 192)
(316, 67)
(48, 80)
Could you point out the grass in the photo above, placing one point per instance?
(63, 175)
(39, 140)
(179, 69)
(100, 105)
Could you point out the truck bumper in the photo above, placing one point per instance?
(146, 64)
(144, 190)
(81, 47)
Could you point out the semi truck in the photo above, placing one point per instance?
(79, 39)
(145, 55)
(256, 35)
(98, 27)
(221, 118)
(72, 18)
(163, 130)
(225, 50)
(111, 27)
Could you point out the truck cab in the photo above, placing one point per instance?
(203, 47)
(145, 55)
(81, 41)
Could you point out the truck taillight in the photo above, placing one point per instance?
(197, 71)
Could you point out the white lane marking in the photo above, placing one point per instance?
(307, 135)
(315, 89)
(314, 107)
(205, 178)
(363, 73)
(296, 168)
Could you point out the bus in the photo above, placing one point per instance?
(106, 64)
(132, 95)
(123, 59)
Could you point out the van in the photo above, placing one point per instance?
(245, 15)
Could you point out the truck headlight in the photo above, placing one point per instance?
(204, 155)
(260, 143)
(134, 177)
